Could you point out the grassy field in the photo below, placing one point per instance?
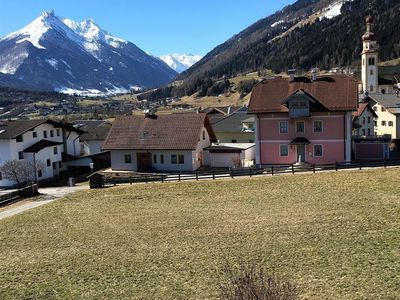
(337, 235)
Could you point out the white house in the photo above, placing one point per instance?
(44, 141)
(153, 143)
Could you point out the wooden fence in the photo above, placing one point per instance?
(25, 192)
(250, 172)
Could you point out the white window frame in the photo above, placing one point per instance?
(287, 127)
(280, 150)
(304, 126)
(322, 150)
(322, 126)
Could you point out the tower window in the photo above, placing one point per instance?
(371, 61)
(371, 72)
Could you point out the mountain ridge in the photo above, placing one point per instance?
(53, 53)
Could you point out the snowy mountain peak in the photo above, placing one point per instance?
(180, 62)
(47, 14)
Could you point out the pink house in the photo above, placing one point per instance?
(303, 120)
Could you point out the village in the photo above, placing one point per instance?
(301, 120)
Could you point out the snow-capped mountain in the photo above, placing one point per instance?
(54, 53)
(180, 62)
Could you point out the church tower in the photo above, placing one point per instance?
(369, 59)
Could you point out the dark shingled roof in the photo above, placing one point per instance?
(335, 92)
(231, 123)
(35, 148)
(95, 134)
(12, 129)
(362, 107)
(300, 141)
(166, 132)
(386, 100)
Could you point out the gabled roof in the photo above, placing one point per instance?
(362, 107)
(386, 100)
(42, 144)
(231, 123)
(95, 134)
(13, 129)
(166, 132)
(335, 92)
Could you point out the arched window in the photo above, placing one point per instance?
(371, 61)
(371, 72)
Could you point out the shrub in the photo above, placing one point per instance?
(251, 282)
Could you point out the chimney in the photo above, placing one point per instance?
(314, 74)
(292, 74)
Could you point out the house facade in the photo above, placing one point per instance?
(364, 121)
(303, 120)
(42, 141)
(170, 143)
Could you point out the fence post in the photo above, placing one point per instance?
(213, 173)
(336, 166)
(251, 173)
(230, 170)
(145, 178)
(292, 168)
(385, 163)
(197, 175)
(361, 163)
(162, 178)
(130, 180)
(272, 170)
(179, 176)
(313, 168)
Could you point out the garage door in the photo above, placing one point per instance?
(223, 160)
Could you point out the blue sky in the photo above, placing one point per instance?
(157, 26)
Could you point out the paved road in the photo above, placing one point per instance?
(48, 195)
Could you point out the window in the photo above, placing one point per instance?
(162, 158)
(375, 123)
(383, 91)
(300, 127)
(58, 132)
(369, 131)
(181, 159)
(40, 173)
(390, 123)
(318, 150)
(55, 150)
(174, 159)
(383, 123)
(54, 166)
(371, 88)
(48, 162)
(1, 176)
(45, 134)
(369, 120)
(34, 134)
(317, 126)
(375, 108)
(284, 150)
(19, 139)
(51, 133)
(371, 72)
(204, 134)
(371, 61)
(154, 159)
(128, 158)
(363, 132)
(363, 120)
(383, 109)
(283, 127)
(234, 141)
(21, 155)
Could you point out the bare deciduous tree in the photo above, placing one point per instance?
(21, 171)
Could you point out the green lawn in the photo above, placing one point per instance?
(337, 235)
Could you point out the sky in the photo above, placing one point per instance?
(156, 26)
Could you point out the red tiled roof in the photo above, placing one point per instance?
(167, 132)
(361, 108)
(335, 92)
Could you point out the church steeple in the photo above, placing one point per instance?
(369, 58)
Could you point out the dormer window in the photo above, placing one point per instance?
(19, 139)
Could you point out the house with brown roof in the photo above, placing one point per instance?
(154, 143)
(304, 120)
(42, 141)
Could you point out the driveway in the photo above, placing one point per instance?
(47, 195)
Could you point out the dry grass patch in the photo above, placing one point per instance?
(335, 235)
